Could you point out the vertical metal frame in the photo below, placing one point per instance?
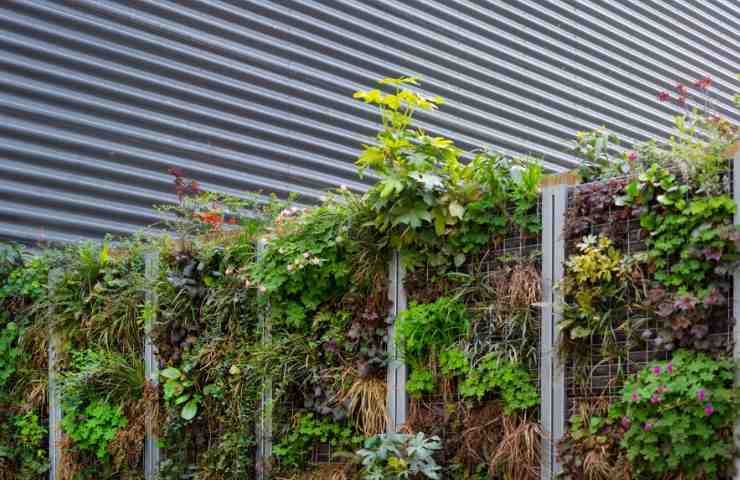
(264, 420)
(736, 298)
(397, 400)
(151, 363)
(552, 373)
(54, 393)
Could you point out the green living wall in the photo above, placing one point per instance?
(272, 329)
(648, 317)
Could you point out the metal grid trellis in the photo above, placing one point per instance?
(603, 378)
(494, 328)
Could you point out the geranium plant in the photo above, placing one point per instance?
(679, 416)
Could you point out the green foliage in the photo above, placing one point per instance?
(25, 276)
(396, 456)
(178, 390)
(590, 448)
(305, 262)
(427, 200)
(93, 427)
(26, 447)
(293, 451)
(428, 328)
(453, 362)
(420, 381)
(28, 431)
(596, 147)
(595, 279)
(507, 379)
(206, 329)
(689, 238)
(10, 352)
(99, 374)
(95, 301)
(696, 152)
(680, 417)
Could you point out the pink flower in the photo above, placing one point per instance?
(709, 409)
(681, 89)
(703, 83)
(632, 157)
(655, 399)
(669, 368)
(657, 370)
(664, 96)
(701, 395)
(633, 397)
(626, 423)
(647, 427)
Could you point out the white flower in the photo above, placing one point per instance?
(306, 254)
(262, 289)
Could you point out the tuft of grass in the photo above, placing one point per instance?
(517, 456)
(367, 405)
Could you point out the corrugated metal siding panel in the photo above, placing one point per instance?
(98, 98)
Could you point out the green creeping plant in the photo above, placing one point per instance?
(420, 381)
(427, 328)
(93, 427)
(691, 237)
(678, 417)
(293, 451)
(506, 379)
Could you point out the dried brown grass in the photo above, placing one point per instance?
(517, 456)
(7, 469)
(599, 463)
(127, 446)
(328, 471)
(517, 286)
(367, 408)
(69, 463)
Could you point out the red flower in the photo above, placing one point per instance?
(231, 221)
(681, 89)
(176, 172)
(212, 219)
(664, 96)
(703, 83)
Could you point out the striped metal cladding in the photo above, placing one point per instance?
(99, 97)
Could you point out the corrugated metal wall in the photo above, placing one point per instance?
(99, 97)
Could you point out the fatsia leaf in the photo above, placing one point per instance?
(430, 181)
(414, 217)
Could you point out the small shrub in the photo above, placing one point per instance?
(396, 456)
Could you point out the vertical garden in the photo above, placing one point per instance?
(261, 340)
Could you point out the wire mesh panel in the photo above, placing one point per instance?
(501, 290)
(630, 338)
